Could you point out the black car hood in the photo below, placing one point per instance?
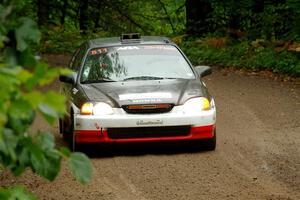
(117, 94)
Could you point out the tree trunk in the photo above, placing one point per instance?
(257, 24)
(197, 15)
(235, 21)
(42, 12)
(258, 6)
(63, 12)
(83, 15)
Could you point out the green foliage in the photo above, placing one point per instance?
(20, 101)
(294, 5)
(257, 19)
(26, 33)
(146, 17)
(79, 167)
(243, 55)
(253, 20)
(60, 40)
(15, 193)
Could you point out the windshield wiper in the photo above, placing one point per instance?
(143, 78)
(171, 78)
(175, 78)
(98, 81)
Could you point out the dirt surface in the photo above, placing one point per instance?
(257, 155)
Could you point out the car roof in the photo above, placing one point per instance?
(115, 41)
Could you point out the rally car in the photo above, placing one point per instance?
(136, 89)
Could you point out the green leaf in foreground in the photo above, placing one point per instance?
(65, 151)
(45, 141)
(80, 167)
(45, 163)
(15, 193)
(26, 33)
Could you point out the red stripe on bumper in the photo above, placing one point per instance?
(92, 136)
(85, 136)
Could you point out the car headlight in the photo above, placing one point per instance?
(195, 105)
(102, 109)
(96, 109)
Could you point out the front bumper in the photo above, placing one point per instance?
(89, 128)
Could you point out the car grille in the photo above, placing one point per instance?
(148, 108)
(147, 132)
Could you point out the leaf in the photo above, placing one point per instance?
(39, 73)
(24, 153)
(45, 163)
(26, 58)
(4, 193)
(50, 104)
(49, 77)
(65, 151)
(37, 159)
(80, 167)
(26, 33)
(3, 118)
(9, 82)
(53, 164)
(17, 169)
(21, 116)
(43, 75)
(48, 112)
(45, 141)
(34, 98)
(56, 101)
(10, 56)
(20, 109)
(20, 193)
(24, 75)
(8, 144)
(15, 193)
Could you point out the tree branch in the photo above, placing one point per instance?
(129, 18)
(168, 16)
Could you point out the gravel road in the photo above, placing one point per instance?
(257, 155)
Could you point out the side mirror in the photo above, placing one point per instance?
(203, 70)
(70, 78)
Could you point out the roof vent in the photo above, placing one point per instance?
(166, 41)
(130, 37)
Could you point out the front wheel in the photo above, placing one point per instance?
(210, 144)
(205, 144)
(68, 132)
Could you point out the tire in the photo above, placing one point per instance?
(65, 129)
(60, 122)
(206, 144)
(210, 144)
(68, 132)
(72, 141)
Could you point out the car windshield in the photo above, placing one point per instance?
(141, 62)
